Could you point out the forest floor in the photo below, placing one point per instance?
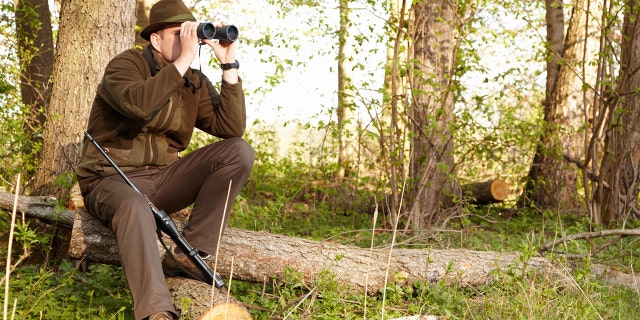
(47, 286)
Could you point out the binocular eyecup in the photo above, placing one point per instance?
(206, 30)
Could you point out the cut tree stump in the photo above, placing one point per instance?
(264, 257)
(195, 300)
(487, 192)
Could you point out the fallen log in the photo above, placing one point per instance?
(486, 192)
(260, 257)
(40, 207)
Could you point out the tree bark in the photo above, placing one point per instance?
(555, 41)
(78, 67)
(431, 114)
(35, 51)
(615, 195)
(568, 108)
(35, 43)
(260, 257)
(345, 110)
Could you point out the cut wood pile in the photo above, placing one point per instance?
(486, 192)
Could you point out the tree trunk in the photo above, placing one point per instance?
(142, 20)
(555, 41)
(346, 121)
(78, 67)
(35, 43)
(390, 126)
(431, 115)
(615, 197)
(35, 51)
(568, 110)
(555, 44)
(260, 256)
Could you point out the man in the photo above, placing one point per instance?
(143, 115)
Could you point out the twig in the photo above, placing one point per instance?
(590, 235)
(226, 309)
(301, 300)
(215, 263)
(10, 248)
(366, 281)
(594, 251)
(393, 242)
(15, 305)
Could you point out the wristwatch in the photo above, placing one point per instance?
(227, 66)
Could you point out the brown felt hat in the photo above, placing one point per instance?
(164, 13)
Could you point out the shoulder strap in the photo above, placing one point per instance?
(148, 55)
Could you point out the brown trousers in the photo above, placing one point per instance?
(201, 178)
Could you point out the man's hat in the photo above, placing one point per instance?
(166, 12)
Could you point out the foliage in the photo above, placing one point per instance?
(498, 112)
(293, 183)
(100, 293)
(66, 293)
(19, 146)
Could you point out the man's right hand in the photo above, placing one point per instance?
(188, 45)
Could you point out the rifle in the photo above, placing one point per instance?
(166, 224)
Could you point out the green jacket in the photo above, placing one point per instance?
(144, 121)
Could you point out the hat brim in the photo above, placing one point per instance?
(148, 30)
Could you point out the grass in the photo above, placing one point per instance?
(63, 292)
(529, 296)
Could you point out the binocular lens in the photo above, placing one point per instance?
(206, 30)
(231, 32)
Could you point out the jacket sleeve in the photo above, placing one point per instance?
(128, 87)
(222, 115)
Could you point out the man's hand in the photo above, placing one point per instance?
(226, 53)
(188, 46)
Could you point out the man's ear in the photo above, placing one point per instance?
(154, 38)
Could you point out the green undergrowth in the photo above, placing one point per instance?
(273, 201)
(100, 292)
(66, 293)
(511, 297)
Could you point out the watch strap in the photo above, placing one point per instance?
(227, 66)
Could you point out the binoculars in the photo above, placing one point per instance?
(206, 30)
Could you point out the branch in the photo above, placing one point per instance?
(590, 235)
(593, 176)
(40, 207)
